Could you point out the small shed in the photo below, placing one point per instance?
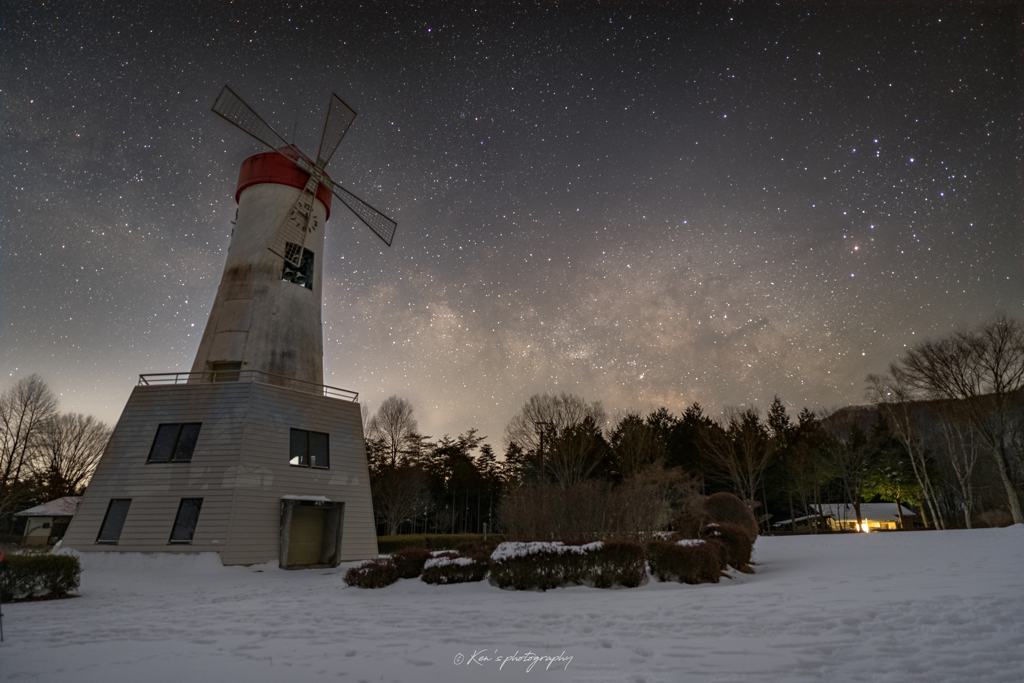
(48, 522)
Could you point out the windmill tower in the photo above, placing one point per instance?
(249, 454)
(266, 318)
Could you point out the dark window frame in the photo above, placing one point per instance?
(106, 517)
(174, 449)
(178, 520)
(305, 269)
(310, 453)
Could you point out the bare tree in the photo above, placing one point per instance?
(740, 448)
(395, 428)
(398, 493)
(959, 445)
(893, 394)
(24, 409)
(984, 368)
(594, 509)
(69, 448)
(544, 413)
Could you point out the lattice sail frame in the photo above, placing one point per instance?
(291, 236)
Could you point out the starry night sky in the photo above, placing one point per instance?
(644, 204)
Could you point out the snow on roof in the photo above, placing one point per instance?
(61, 507)
(315, 499)
(875, 511)
(798, 519)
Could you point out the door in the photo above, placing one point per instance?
(305, 542)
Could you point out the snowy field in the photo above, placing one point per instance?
(925, 606)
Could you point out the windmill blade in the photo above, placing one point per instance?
(231, 107)
(291, 235)
(339, 117)
(381, 225)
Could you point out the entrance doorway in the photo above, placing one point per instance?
(310, 534)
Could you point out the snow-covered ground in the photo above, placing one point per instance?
(925, 606)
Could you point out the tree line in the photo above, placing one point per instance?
(44, 454)
(942, 433)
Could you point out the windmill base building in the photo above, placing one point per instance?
(249, 455)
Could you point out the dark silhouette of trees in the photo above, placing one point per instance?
(634, 446)
(393, 430)
(69, 448)
(846, 449)
(43, 455)
(739, 449)
(983, 369)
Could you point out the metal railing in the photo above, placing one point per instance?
(247, 376)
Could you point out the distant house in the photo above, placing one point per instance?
(874, 517)
(48, 522)
(843, 517)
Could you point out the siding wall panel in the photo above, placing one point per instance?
(239, 467)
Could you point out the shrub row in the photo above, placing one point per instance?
(390, 544)
(686, 561)
(409, 562)
(470, 563)
(372, 574)
(736, 544)
(452, 568)
(25, 576)
(525, 566)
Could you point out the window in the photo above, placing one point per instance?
(303, 275)
(113, 521)
(226, 371)
(174, 442)
(185, 521)
(309, 449)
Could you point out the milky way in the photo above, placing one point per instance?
(645, 204)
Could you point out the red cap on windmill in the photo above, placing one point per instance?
(274, 167)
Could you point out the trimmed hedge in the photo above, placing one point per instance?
(736, 544)
(539, 565)
(373, 574)
(526, 566)
(619, 563)
(446, 569)
(687, 561)
(727, 508)
(26, 576)
(390, 544)
(409, 562)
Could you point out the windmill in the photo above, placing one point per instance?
(259, 322)
(250, 455)
(298, 223)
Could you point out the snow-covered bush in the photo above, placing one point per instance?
(25, 576)
(686, 561)
(452, 568)
(736, 544)
(409, 562)
(372, 574)
(525, 566)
